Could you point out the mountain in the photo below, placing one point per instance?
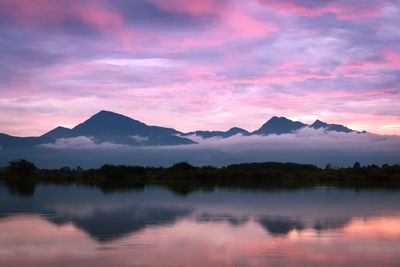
(210, 134)
(330, 127)
(279, 125)
(59, 132)
(104, 126)
(109, 123)
(107, 126)
(17, 142)
(234, 131)
(282, 125)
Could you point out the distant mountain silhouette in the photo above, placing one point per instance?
(59, 132)
(330, 127)
(107, 126)
(109, 123)
(282, 125)
(279, 125)
(113, 127)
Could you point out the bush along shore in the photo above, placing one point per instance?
(21, 176)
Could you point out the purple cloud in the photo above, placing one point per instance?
(167, 62)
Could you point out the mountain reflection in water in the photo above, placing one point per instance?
(79, 226)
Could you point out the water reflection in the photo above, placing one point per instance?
(77, 226)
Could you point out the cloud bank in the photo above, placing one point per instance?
(82, 142)
(304, 146)
(306, 138)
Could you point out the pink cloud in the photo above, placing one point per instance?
(370, 68)
(194, 8)
(51, 14)
(233, 22)
(392, 57)
(295, 77)
(228, 54)
(343, 11)
(244, 24)
(289, 65)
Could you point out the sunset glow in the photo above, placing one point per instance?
(199, 64)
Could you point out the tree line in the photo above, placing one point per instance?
(184, 177)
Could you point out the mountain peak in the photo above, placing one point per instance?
(236, 130)
(279, 125)
(57, 132)
(319, 124)
(108, 122)
(330, 127)
(276, 118)
(60, 128)
(103, 113)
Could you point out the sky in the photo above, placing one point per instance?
(200, 64)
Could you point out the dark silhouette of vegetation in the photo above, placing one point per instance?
(356, 165)
(181, 166)
(20, 168)
(21, 176)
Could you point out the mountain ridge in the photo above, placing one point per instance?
(330, 127)
(108, 126)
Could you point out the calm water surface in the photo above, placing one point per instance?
(80, 227)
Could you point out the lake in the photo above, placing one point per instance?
(83, 226)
